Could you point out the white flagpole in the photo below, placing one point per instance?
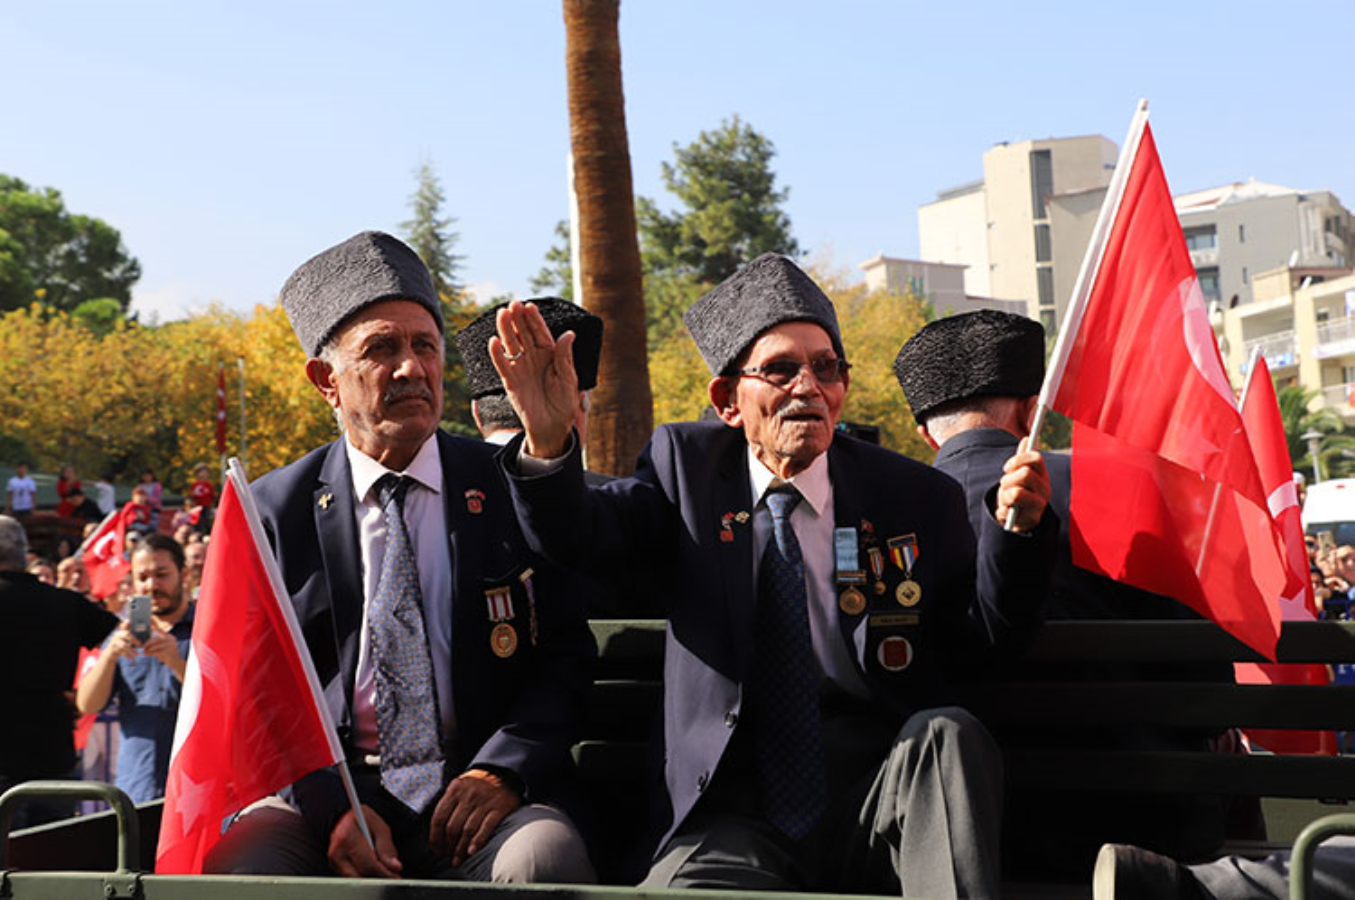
(236, 473)
(1086, 276)
(1251, 376)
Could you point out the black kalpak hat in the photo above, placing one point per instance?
(984, 353)
(365, 269)
(560, 315)
(768, 291)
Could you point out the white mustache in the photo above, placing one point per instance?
(800, 408)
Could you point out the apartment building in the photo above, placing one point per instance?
(1237, 231)
(1021, 231)
(942, 284)
(1303, 321)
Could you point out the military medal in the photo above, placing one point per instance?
(877, 568)
(526, 579)
(503, 640)
(475, 501)
(904, 553)
(852, 602)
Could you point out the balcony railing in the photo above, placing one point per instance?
(1335, 338)
(1279, 349)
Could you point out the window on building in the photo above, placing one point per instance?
(1244, 275)
(1203, 237)
(1045, 280)
(1242, 234)
(1050, 320)
(1209, 282)
(1041, 181)
(1044, 250)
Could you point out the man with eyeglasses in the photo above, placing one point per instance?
(821, 595)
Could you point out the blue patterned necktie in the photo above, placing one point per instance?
(785, 683)
(406, 698)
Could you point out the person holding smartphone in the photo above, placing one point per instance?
(142, 666)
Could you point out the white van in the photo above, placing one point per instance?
(1330, 506)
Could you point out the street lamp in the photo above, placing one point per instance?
(1314, 438)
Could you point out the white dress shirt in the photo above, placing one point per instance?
(813, 522)
(426, 521)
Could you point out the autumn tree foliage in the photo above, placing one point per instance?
(140, 396)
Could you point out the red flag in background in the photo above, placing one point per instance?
(1165, 492)
(1265, 428)
(102, 554)
(221, 411)
(251, 719)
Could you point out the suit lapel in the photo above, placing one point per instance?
(733, 494)
(336, 526)
(849, 510)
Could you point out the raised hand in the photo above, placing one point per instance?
(538, 374)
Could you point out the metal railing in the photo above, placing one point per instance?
(1279, 349)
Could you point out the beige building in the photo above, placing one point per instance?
(1303, 321)
(1021, 232)
(1237, 231)
(942, 284)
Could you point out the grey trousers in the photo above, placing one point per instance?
(535, 843)
(926, 822)
(1235, 878)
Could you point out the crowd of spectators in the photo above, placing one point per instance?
(120, 694)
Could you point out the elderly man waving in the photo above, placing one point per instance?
(822, 595)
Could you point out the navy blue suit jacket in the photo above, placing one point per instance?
(518, 714)
(660, 531)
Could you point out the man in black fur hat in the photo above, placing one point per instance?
(972, 382)
(820, 593)
(454, 662)
(494, 414)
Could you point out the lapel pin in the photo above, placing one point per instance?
(325, 499)
(475, 501)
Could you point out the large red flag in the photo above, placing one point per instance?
(221, 411)
(252, 719)
(1265, 428)
(102, 554)
(1165, 492)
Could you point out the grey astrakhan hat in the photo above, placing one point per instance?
(365, 269)
(560, 315)
(983, 353)
(768, 291)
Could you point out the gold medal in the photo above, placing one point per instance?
(503, 640)
(852, 602)
(879, 587)
(908, 593)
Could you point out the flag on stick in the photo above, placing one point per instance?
(1265, 429)
(102, 554)
(1165, 491)
(252, 719)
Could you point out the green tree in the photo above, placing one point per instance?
(730, 208)
(428, 230)
(1299, 419)
(55, 257)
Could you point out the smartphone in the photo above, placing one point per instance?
(1326, 544)
(139, 617)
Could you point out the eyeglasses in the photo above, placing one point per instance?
(782, 372)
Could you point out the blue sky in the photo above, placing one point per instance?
(231, 141)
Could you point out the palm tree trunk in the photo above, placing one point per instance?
(622, 414)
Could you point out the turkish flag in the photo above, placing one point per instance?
(102, 554)
(251, 718)
(1265, 428)
(1165, 491)
(221, 411)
